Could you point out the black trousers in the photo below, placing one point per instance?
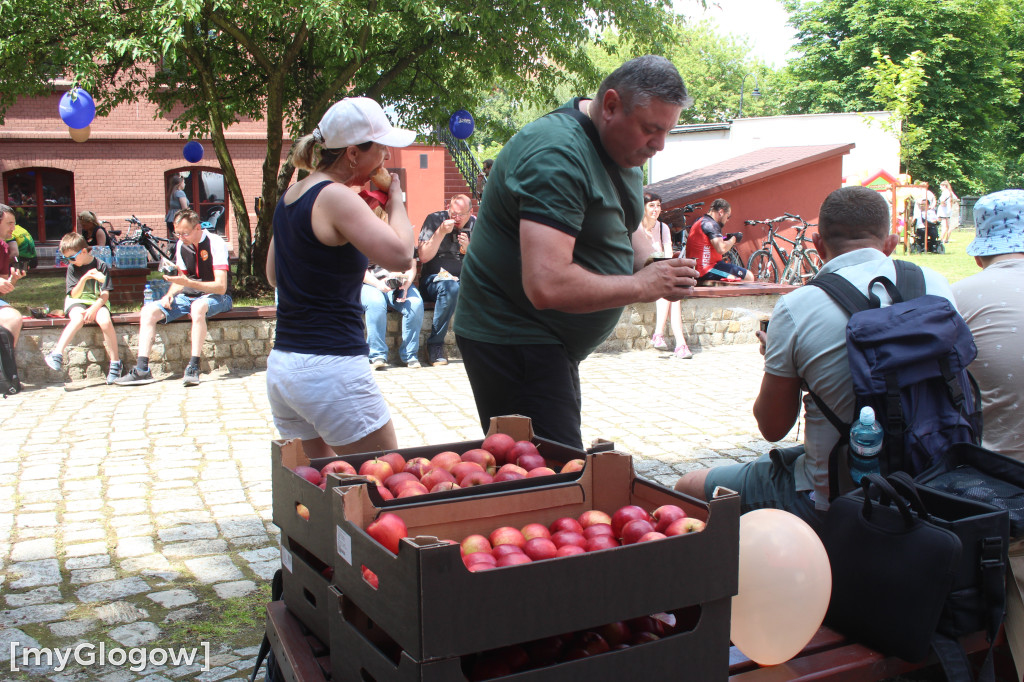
(538, 381)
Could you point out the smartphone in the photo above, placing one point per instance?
(764, 325)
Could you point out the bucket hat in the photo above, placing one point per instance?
(999, 224)
(355, 120)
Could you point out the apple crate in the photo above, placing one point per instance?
(360, 650)
(299, 657)
(315, 533)
(305, 584)
(433, 607)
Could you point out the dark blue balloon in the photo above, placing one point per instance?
(193, 151)
(461, 124)
(77, 109)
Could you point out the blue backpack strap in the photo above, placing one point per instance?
(909, 280)
(847, 296)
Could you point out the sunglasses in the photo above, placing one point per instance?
(68, 259)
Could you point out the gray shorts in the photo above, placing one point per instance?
(767, 482)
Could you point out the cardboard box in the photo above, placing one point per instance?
(306, 584)
(297, 658)
(434, 608)
(317, 535)
(362, 651)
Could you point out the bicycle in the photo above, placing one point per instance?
(143, 236)
(804, 263)
(762, 262)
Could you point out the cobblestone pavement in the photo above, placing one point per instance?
(135, 516)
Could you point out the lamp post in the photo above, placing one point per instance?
(755, 93)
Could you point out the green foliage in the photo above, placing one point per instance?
(951, 69)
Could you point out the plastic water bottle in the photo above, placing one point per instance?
(147, 295)
(865, 445)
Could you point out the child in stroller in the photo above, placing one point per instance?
(926, 222)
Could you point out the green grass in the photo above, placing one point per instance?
(47, 289)
(954, 265)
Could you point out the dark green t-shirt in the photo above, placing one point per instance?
(548, 173)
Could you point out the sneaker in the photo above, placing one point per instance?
(377, 363)
(413, 364)
(114, 373)
(134, 376)
(54, 361)
(437, 357)
(683, 352)
(658, 341)
(191, 376)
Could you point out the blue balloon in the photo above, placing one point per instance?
(193, 151)
(461, 124)
(76, 108)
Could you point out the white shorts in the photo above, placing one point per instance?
(331, 396)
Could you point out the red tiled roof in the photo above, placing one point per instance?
(741, 170)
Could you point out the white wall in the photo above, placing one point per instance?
(686, 150)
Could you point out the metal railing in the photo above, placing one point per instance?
(463, 157)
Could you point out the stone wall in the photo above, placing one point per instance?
(243, 343)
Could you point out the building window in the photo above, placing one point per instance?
(206, 196)
(43, 201)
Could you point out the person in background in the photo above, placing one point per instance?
(384, 290)
(706, 244)
(91, 228)
(176, 201)
(88, 285)
(557, 255)
(10, 317)
(24, 247)
(199, 290)
(992, 303)
(319, 383)
(444, 238)
(481, 178)
(661, 241)
(947, 200)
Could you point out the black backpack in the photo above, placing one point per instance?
(9, 382)
(908, 361)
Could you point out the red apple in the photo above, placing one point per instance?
(463, 468)
(530, 461)
(507, 535)
(377, 468)
(571, 466)
(412, 490)
(480, 456)
(624, 515)
(338, 467)
(394, 479)
(498, 444)
(402, 486)
(384, 493)
(514, 559)
(636, 529)
(543, 652)
(585, 645)
(309, 473)
(323, 484)
(476, 478)
(665, 515)
(445, 486)
(653, 535)
(302, 510)
(598, 529)
(566, 523)
(370, 577)
(479, 566)
(479, 557)
(569, 550)
(475, 543)
(501, 550)
(521, 447)
(568, 537)
(643, 638)
(615, 633)
(508, 476)
(592, 516)
(539, 549)
(435, 476)
(513, 469)
(684, 526)
(540, 471)
(601, 542)
(445, 460)
(396, 461)
(418, 466)
(388, 529)
(648, 624)
(535, 530)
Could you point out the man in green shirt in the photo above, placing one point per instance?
(555, 254)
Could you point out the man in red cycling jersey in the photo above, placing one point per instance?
(706, 244)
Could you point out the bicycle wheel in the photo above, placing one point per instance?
(812, 255)
(763, 267)
(732, 256)
(803, 267)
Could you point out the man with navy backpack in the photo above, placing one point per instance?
(806, 349)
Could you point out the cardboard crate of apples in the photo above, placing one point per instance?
(662, 646)
(509, 457)
(414, 583)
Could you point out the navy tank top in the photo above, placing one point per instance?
(319, 310)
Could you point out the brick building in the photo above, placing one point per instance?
(124, 167)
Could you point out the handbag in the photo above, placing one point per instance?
(868, 537)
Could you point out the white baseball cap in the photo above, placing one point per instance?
(355, 120)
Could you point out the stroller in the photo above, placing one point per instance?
(935, 244)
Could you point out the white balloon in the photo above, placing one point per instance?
(785, 582)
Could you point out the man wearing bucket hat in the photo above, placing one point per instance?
(992, 303)
(319, 380)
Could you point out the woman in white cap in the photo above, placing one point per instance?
(318, 375)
